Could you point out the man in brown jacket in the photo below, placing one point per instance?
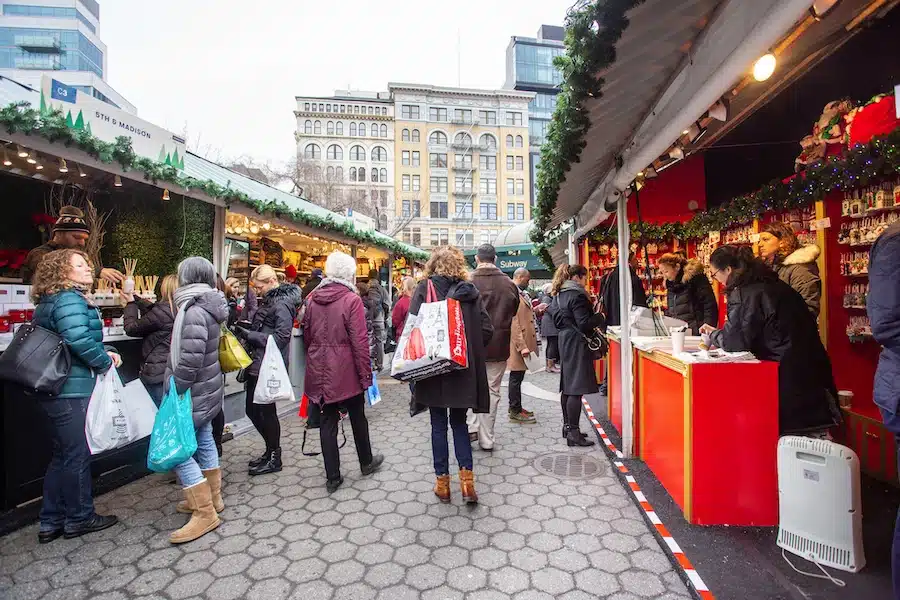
(523, 342)
(501, 301)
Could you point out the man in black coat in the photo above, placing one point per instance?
(380, 307)
(612, 298)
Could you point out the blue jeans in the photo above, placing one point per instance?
(207, 457)
(892, 423)
(440, 447)
(156, 391)
(67, 484)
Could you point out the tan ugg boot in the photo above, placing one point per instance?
(203, 519)
(467, 485)
(214, 477)
(442, 488)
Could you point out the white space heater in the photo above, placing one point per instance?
(819, 502)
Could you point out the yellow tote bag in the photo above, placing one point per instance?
(232, 356)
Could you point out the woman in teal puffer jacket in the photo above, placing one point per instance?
(60, 282)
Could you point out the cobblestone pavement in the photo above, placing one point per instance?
(532, 537)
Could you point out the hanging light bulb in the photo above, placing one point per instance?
(267, 226)
(31, 160)
(63, 167)
(165, 194)
(39, 167)
(117, 181)
(764, 67)
(6, 161)
(254, 229)
(81, 172)
(22, 152)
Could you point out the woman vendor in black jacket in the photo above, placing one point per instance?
(771, 320)
(153, 322)
(690, 295)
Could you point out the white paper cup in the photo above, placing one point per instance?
(845, 398)
(678, 341)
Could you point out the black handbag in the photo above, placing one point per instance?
(37, 359)
(597, 344)
(314, 421)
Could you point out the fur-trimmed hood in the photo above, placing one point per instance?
(802, 256)
(286, 292)
(693, 268)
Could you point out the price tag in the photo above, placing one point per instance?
(897, 100)
(754, 238)
(820, 224)
(715, 236)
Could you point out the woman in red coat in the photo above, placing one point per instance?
(338, 364)
(401, 309)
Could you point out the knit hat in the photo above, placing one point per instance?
(290, 272)
(71, 218)
(316, 273)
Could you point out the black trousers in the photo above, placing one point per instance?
(218, 428)
(515, 391)
(356, 408)
(263, 416)
(571, 409)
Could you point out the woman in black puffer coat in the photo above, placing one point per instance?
(153, 322)
(274, 316)
(690, 293)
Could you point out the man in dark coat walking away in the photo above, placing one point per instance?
(380, 306)
(501, 300)
(883, 305)
(612, 298)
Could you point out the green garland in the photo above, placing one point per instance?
(21, 117)
(592, 31)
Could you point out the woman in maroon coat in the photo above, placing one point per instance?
(338, 365)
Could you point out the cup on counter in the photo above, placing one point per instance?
(678, 336)
(845, 398)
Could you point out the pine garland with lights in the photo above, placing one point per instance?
(20, 117)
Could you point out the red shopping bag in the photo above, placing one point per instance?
(304, 407)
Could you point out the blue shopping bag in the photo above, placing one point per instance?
(173, 439)
(373, 394)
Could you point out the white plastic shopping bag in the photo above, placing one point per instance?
(274, 384)
(534, 363)
(140, 408)
(107, 424)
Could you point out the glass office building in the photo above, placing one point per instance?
(529, 67)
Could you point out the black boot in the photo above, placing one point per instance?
(576, 438)
(271, 465)
(373, 466)
(258, 461)
(565, 432)
(95, 523)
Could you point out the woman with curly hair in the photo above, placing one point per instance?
(449, 396)
(795, 264)
(61, 280)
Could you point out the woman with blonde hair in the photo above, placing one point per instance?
(449, 396)
(795, 265)
(58, 289)
(690, 294)
(278, 304)
(153, 322)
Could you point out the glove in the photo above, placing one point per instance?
(240, 332)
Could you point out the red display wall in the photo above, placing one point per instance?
(665, 199)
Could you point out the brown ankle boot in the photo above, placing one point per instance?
(467, 485)
(442, 488)
(204, 518)
(214, 477)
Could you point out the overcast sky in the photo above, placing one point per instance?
(228, 70)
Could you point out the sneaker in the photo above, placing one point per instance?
(528, 412)
(521, 417)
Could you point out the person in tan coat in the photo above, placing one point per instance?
(523, 342)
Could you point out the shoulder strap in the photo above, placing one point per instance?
(431, 294)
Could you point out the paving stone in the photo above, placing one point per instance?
(151, 582)
(467, 579)
(552, 580)
(113, 578)
(308, 569)
(424, 577)
(344, 573)
(271, 566)
(642, 583)
(189, 585)
(196, 561)
(451, 557)
(270, 589)
(509, 580)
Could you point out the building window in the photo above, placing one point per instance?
(371, 110)
(383, 130)
(409, 111)
(339, 174)
(352, 129)
(312, 151)
(307, 127)
(416, 158)
(488, 186)
(417, 208)
(416, 183)
(317, 128)
(518, 141)
(520, 212)
(488, 212)
(353, 174)
(339, 128)
(510, 212)
(440, 237)
(362, 176)
(374, 175)
(415, 135)
(438, 160)
(357, 153)
(329, 173)
(514, 119)
(438, 138)
(509, 141)
(463, 161)
(356, 109)
(488, 163)
(306, 107)
(379, 154)
(335, 152)
(406, 207)
(439, 210)
(520, 187)
(510, 187)
(463, 138)
(510, 163)
(465, 239)
(417, 236)
(487, 117)
(520, 163)
(382, 175)
(437, 114)
(404, 135)
(463, 210)
(405, 182)
(329, 128)
(404, 158)
(462, 115)
(362, 130)
(489, 142)
(438, 184)
(463, 185)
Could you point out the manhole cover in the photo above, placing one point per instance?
(570, 466)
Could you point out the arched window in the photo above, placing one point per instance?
(357, 153)
(317, 128)
(382, 222)
(362, 130)
(415, 135)
(335, 152)
(379, 154)
(404, 135)
(312, 151)
(383, 130)
(307, 127)
(352, 173)
(462, 138)
(353, 129)
(437, 137)
(509, 141)
(489, 141)
(383, 175)
(329, 128)
(362, 173)
(374, 175)
(329, 173)
(339, 129)
(518, 141)
(339, 174)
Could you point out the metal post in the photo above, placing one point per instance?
(625, 301)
